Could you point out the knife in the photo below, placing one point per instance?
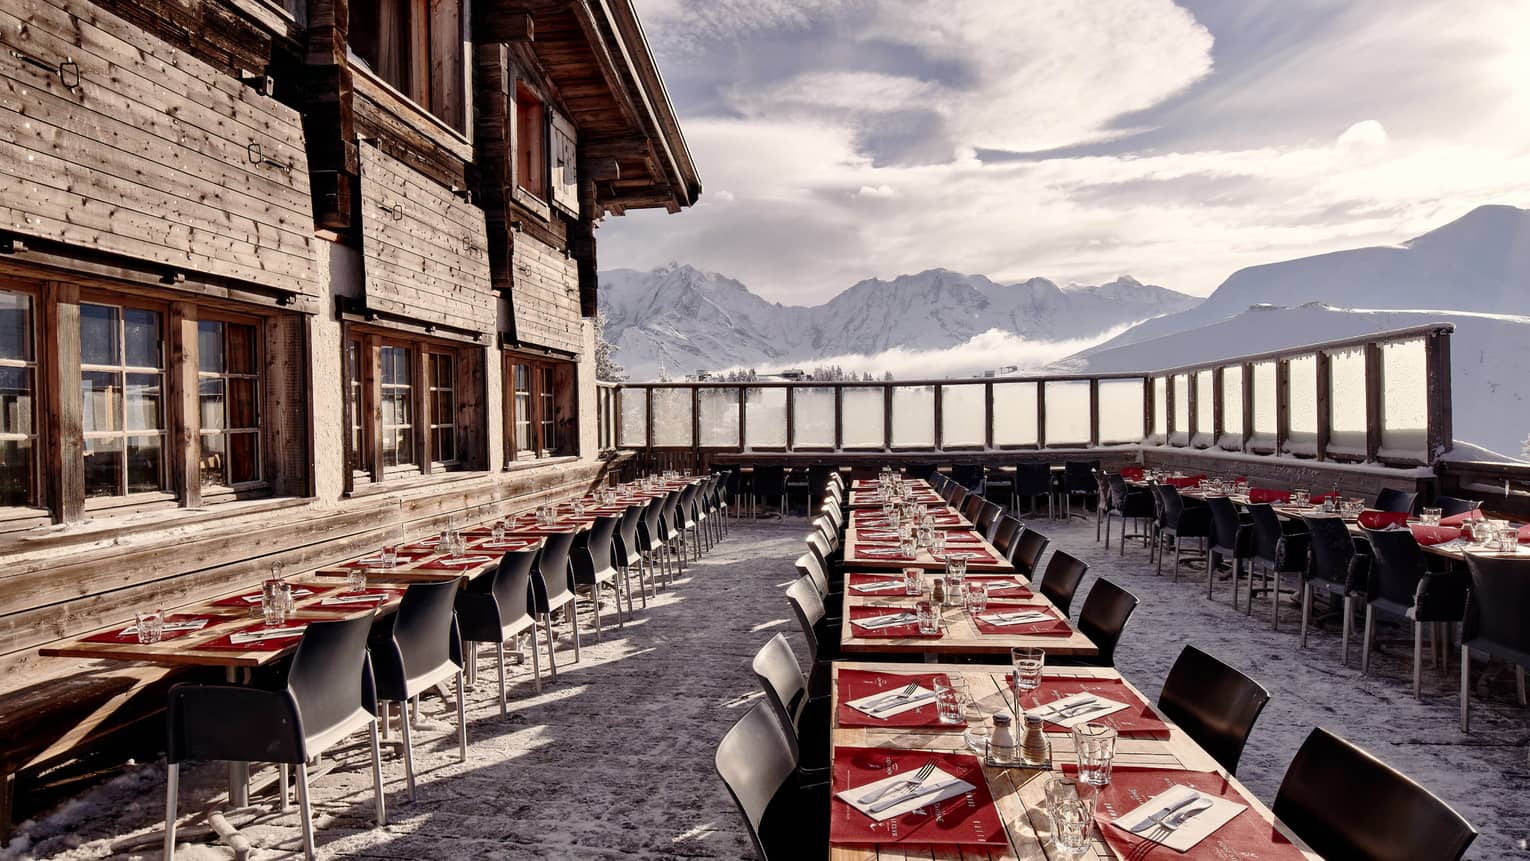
(1166, 811)
(915, 698)
(918, 792)
(888, 621)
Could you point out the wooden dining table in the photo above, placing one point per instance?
(857, 543)
(1019, 793)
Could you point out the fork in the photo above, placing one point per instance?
(886, 700)
(919, 777)
(1165, 827)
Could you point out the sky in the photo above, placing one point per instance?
(1076, 140)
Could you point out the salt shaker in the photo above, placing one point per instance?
(1034, 751)
(1003, 747)
(938, 591)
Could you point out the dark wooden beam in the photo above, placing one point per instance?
(506, 27)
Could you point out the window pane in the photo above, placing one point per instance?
(15, 471)
(813, 417)
(719, 417)
(144, 402)
(210, 346)
(443, 407)
(213, 457)
(102, 393)
(212, 409)
(242, 350)
(405, 453)
(1232, 408)
(243, 406)
(1120, 411)
(1302, 413)
(671, 417)
(141, 336)
(144, 464)
(445, 442)
(1181, 410)
(962, 416)
(1067, 413)
(1264, 405)
(1160, 408)
(1014, 413)
(103, 466)
(1205, 408)
(15, 326)
(913, 417)
(1404, 397)
(765, 418)
(634, 428)
(244, 457)
(16, 400)
(98, 335)
(862, 418)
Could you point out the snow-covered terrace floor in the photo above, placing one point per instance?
(616, 759)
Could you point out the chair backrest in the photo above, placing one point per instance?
(1173, 505)
(626, 546)
(330, 673)
(1497, 606)
(988, 514)
(1118, 490)
(971, 506)
(1395, 501)
(807, 606)
(423, 629)
(1397, 563)
(1450, 506)
(649, 525)
(816, 539)
(775, 665)
(1028, 549)
(594, 554)
(1033, 479)
(1332, 550)
(950, 491)
(1107, 608)
(959, 496)
(969, 476)
(1267, 530)
(1006, 535)
(810, 565)
(551, 580)
(770, 480)
(670, 518)
(1060, 581)
(1225, 522)
(755, 759)
(1213, 703)
(685, 508)
(1348, 804)
(1078, 476)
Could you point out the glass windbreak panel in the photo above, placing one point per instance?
(765, 418)
(963, 416)
(1346, 401)
(634, 426)
(863, 418)
(1014, 414)
(1160, 407)
(1181, 434)
(1068, 413)
(913, 409)
(1120, 411)
(812, 417)
(1205, 407)
(1232, 408)
(671, 417)
(1302, 413)
(1404, 397)
(719, 417)
(1264, 405)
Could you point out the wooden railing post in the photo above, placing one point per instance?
(791, 418)
(1041, 415)
(839, 418)
(1375, 411)
(1324, 394)
(743, 408)
(1218, 414)
(1282, 404)
(1248, 404)
(988, 416)
(940, 418)
(887, 416)
(1439, 433)
(1094, 412)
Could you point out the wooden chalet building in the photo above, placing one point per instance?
(279, 278)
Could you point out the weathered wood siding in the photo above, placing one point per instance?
(424, 248)
(154, 154)
(546, 296)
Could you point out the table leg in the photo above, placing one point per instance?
(238, 772)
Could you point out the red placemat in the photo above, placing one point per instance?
(129, 633)
(880, 552)
(377, 564)
(1138, 719)
(380, 596)
(1007, 588)
(975, 555)
(252, 599)
(874, 579)
(1056, 628)
(226, 643)
(508, 544)
(854, 684)
(894, 632)
(455, 563)
(1245, 836)
(966, 820)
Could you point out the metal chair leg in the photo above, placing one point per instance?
(499, 654)
(552, 659)
(461, 718)
(282, 790)
(573, 607)
(1365, 641)
(172, 787)
(1349, 623)
(305, 811)
(536, 663)
(379, 804)
(1418, 660)
(1306, 612)
(408, 749)
(1466, 689)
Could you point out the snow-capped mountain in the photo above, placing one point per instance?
(684, 320)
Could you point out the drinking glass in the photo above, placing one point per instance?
(956, 566)
(1431, 516)
(1299, 497)
(356, 580)
(963, 690)
(938, 542)
(929, 619)
(389, 556)
(907, 548)
(977, 598)
(926, 535)
(497, 531)
(1070, 808)
(1508, 540)
(151, 625)
(913, 581)
(948, 703)
(1095, 746)
(977, 728)
(275, 596)
(1028, 662)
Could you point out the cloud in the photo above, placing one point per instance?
(879, 191)
(1366, 134)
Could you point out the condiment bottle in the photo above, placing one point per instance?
(1003, 747)
(1034, 751)
(938, 591)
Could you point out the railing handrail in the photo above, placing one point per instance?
(1388, 336)
(865, 384)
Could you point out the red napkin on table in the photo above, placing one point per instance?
(1058, 627)
(1428, 535)
(966, 820)
(1138, 719)
(1524, 534)
(861, 579)
(1260, 495)
(1372, 519)
(1132, 473)
(1458, 519)
(894, 632)
(854, 684)
(1244, 836)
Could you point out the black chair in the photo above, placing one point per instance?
(687, 529)
(1450, 506)
(552, 589)
(950, 491)
(972, 506)
(1006, 535)
(1033, 480)
(1335, 569)
(419, 650)
(805, 719)
(1107, 609)
(1348, 804)
(1127, 503)
(757, 763)
(807, 606)
(671, 529)
(810, 565)
(987, 517)
(496, 607)
(1496, 609)
(800, 480)
(1078, 483)
(959, 497)
(1028, 549)
(650, 541)
(1231, 539)
(328, 693)
(770, 482)
(590, 562)
(998, 486)
(1059, 583)
(628, 554)
(1280, 547)
(969, 476)
(1395, 501)
(1177, 522)
(1402, 586)
(1213, 703)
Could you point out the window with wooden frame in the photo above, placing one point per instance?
(530, 142)
(397, 406)
(359, 451)
(123, 410)
(443, 408)
(417, 48)
(228, 396)
(18, 397)
(542, 407)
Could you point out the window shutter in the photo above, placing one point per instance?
(565, 165)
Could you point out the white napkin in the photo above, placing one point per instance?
(296, 593)
(244, 637)
(879, 535)
(1194, 830)
(886, 620)
(353, 599)
(882, 586)
(1102, 708)
(1016, 617)
(1002, 588)
(869, 705)
(882, 551)
(465, 560)
(897, 801)
(167, 627)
